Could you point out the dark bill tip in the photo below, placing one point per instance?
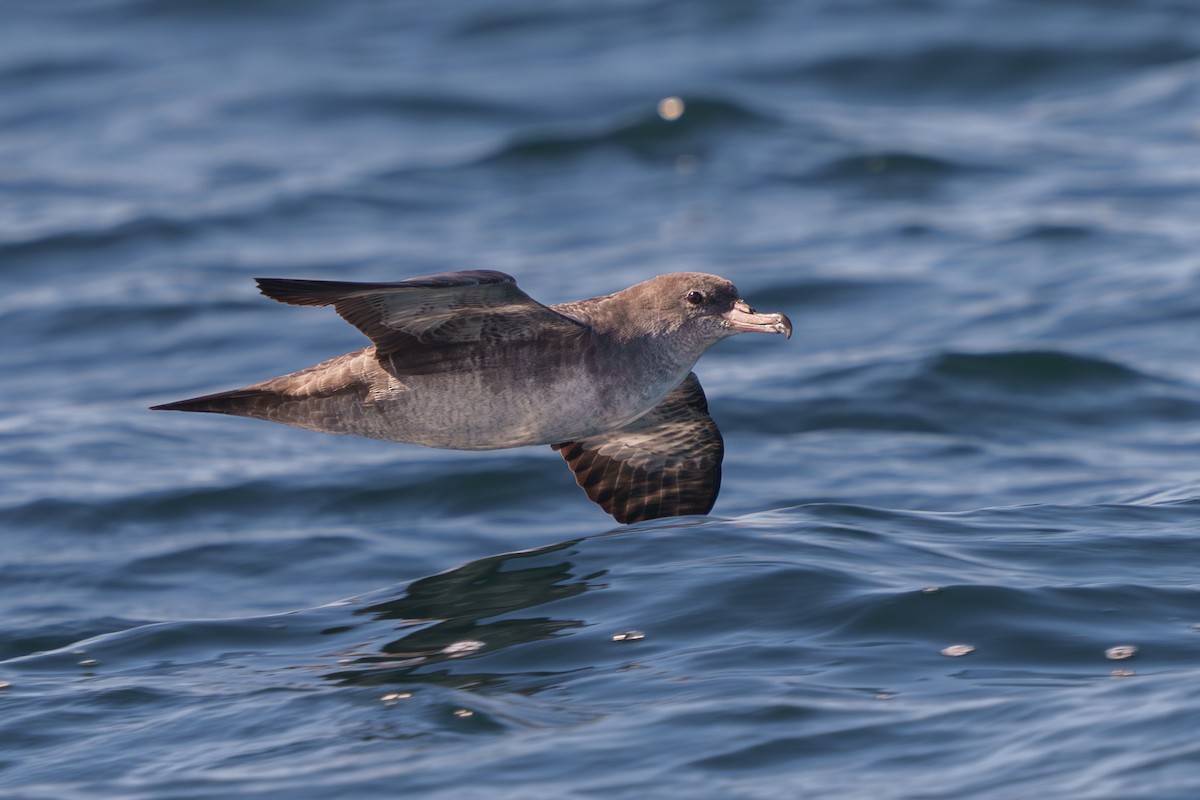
(744, 319)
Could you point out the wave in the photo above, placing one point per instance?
(896, 174)
(1009, 394)
(823, 293)
(794, 636)
(1023, 370)
(41, 323)
(37, 636)
(156, 230)
(55, 67)
(232, 11)
(1051, 233)
(317, 103)
(413, 486)
(148, 228)
(644, 133)
(963, 70)
(892, 164)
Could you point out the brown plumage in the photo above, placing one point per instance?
(466, 360)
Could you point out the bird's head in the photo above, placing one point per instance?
(706, 308)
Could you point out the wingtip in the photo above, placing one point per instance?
(178, 405)
(290, 290)
(175, 405)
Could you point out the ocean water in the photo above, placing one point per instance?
(972, 473)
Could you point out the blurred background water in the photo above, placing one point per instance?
(982, 215)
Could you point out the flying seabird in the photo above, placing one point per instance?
(468, 361)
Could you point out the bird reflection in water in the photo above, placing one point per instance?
(467, 612)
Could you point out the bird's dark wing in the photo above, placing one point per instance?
(666, 463)
(436, 323)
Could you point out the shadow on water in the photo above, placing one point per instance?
(457, 613)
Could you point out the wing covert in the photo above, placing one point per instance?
(433, 323)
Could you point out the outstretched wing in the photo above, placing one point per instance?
(666, 463)
(436, 323)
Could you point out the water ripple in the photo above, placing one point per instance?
(522, 641)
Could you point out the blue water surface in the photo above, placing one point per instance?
(956, 550)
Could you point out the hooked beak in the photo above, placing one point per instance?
(744, 319)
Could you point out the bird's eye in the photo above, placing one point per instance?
(695, 298)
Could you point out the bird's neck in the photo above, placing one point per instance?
(628, 328)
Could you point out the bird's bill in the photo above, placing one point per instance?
(744, 319)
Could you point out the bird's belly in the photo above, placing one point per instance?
(481, 412)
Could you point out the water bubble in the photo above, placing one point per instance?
(956, 650)
(628, 636)
(931, 590)
(89, 662)
(1121, 651)
(463, 713)
(670, 108)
